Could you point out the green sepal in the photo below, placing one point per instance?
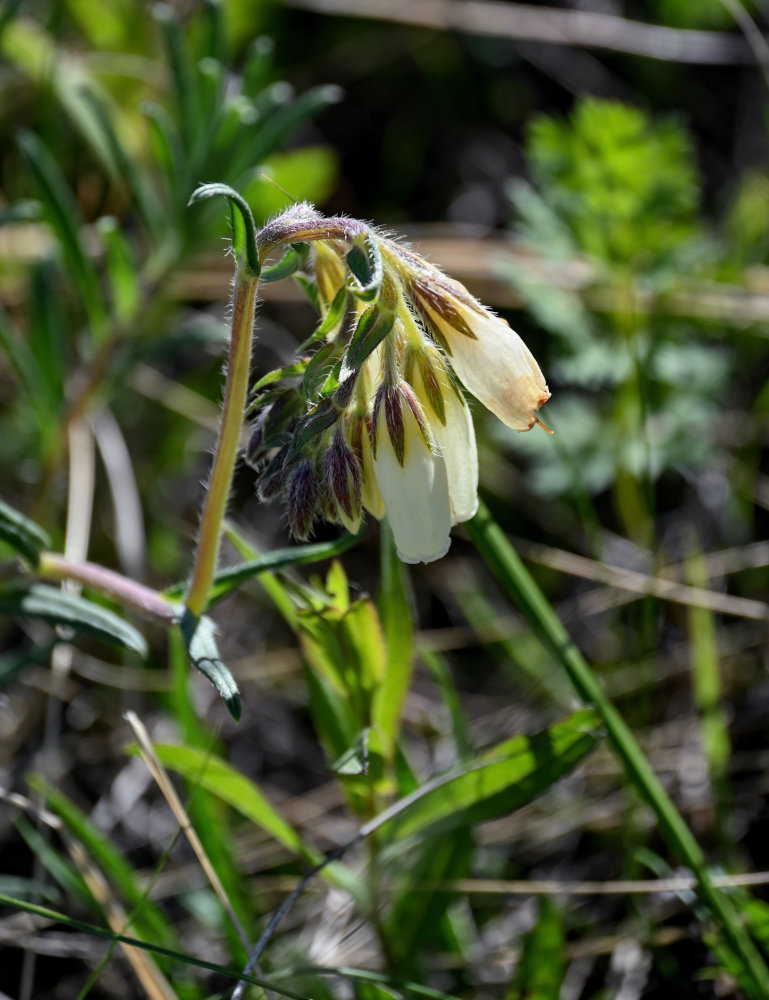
(24, 535)
(366, 268)
(278, 374)
(199, 638)
(335, 313)
(310, 289)
(319, 370)
(289, 263)
(373, 326)
(323, 416)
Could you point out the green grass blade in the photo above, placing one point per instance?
(64, 217)
(58, 865)
(531, 602)
(20, 357)
(495, 783)
(220, 779)
(397, 622)
(149, 919)
(541, 970)
(46, 913)
(439, 668)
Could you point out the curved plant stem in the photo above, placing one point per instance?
(531, 602)
(129, 593)
(233, 409)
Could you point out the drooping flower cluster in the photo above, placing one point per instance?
(371, 418)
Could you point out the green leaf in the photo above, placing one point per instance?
(222, 780)
(334, 316)
(149, 919)
(497, 782)
(278, 374)
(398, 624)
(540, 973)
(46, 340)
(121, 269)
(373, 326)
(415, 922)
(59, 866)
(125, 166)
(246, 250)
(64, 217)
(199, 638)
(28, 538)
(49, 604)
(277, 126)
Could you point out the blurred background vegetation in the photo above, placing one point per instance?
(609, 194)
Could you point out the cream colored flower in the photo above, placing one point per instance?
(454, 435)
(413, 483)
(489, 357)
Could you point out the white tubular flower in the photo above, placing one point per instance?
(452, 426)
(412, 481)
(489, 357)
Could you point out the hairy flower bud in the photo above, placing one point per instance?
(342, 480)
(302, 499)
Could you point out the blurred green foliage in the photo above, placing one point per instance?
(615, 188)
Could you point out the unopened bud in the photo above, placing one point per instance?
(302, 499)
(341, 475)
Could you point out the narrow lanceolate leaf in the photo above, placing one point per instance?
(51, 605)
(499, 781)
(62, 212)
(398, 626)
(199, 638)
(335, 314)
(278, 374)
(148, 918)
(373, 326)
(24, 535)
(216, 776)
(539, 975)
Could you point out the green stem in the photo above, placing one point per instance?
(233, 409)
(523, 590)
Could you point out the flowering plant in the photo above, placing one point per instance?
(374, 419)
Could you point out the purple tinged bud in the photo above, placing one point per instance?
(342, 477)
(253, 452)
(411, 400)
(302, 500)
(394, 421)
(343, 394)
(272, 481)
